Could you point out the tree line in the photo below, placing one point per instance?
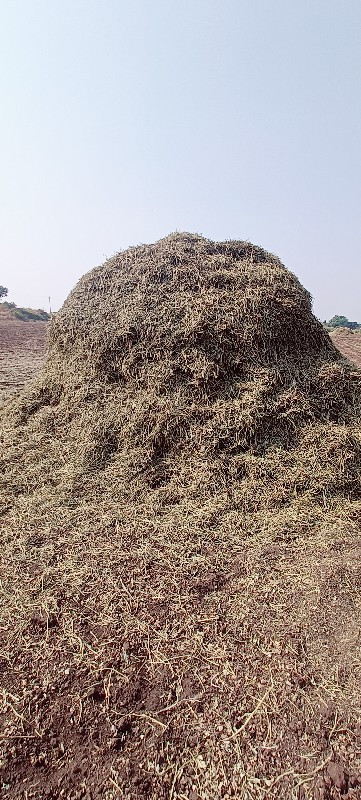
(339, 321)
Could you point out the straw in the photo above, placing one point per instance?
(180, 499)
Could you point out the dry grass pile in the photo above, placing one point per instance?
(180, 540)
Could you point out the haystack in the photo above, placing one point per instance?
(180, 538)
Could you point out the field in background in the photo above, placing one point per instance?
(349, 343)
(22, 352)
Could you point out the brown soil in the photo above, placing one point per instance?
(22, 351)
(349, 344)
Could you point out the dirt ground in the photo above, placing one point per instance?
(22, 350)
(349, 343)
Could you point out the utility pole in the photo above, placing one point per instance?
(49, 298)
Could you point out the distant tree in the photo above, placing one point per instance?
(338, 321)
(30, 314)
(3, 291)
(342, 322)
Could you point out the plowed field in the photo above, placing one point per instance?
(22, 350)
(349, 343)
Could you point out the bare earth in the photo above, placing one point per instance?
(22, 350)
(349, 343)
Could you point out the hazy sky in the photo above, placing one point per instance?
(123, 120)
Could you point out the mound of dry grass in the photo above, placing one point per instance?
(180, 500)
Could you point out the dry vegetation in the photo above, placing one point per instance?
(180, 544)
